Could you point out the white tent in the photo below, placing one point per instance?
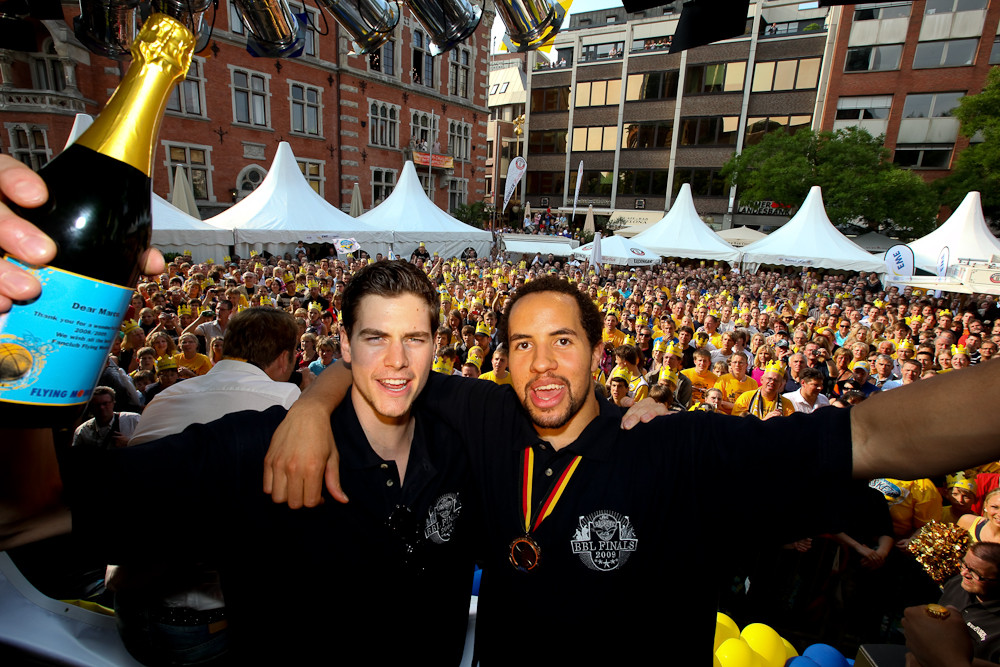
(965, 233)
(809, 239)
(176, 231)
(411, 217)
(284, 209)
(681, 233)
(620, 251)
(740, 236)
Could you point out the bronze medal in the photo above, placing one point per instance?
(524, 553)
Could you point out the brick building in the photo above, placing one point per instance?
(644, 121)
(899, 68)
(349, 119)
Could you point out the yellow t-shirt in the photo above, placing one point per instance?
(616, 337)
(700, 382)
(732, 388)
(200, 364)
(742, 405)
(492, 377)
(919, 503)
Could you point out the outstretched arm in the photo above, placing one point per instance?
(931, 427)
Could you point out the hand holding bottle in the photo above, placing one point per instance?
(20, 238)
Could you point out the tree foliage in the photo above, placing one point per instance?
(860, 183)
(471, 214)
(978, 166)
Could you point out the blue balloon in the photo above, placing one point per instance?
(477, 577)
(825, 656)
(801, 661)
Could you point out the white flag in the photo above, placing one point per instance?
(576, 195)
(514, 173)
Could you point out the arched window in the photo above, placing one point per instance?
(48, 71)
(249, 179)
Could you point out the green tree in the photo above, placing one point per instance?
(978, 166)
(860, 183)
(471, 214)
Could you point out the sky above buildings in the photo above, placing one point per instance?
(577, 7)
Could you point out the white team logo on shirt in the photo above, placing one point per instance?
(604, 540)
(441, 517)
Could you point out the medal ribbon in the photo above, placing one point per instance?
(548, 502)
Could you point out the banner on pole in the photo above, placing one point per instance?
(576, 195)
(514, 173)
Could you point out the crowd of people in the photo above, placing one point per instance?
(692, 336)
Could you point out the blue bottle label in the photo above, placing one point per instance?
(53, 350)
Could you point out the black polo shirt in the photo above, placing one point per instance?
(982, 618)
(631, 553)
(384, 579)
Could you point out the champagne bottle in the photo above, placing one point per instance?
(52, 350)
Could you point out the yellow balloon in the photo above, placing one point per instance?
(715, 661)
(725, 628)
(766, 643)
(790, 651)
(736, 653)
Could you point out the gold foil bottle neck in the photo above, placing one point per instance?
(127, 128)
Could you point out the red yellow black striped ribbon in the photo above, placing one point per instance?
(550, 499)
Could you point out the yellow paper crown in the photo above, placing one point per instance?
(621, 373)
(184, 310)
(443, 365)
(959, 349)
(667, 375)
(905, 344)
(775, 367)
(674, 350)
(128, 326)
(660, 345)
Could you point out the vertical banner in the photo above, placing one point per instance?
(899, 261)
(576, 195)
(514, 173)
(596, 259)
(942, 267)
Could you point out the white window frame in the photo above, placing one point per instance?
(195, 79)
(383, 129)
(947, 46)
(389, 46)
(417, 115)
(305, 104)
(861, 103)
(932, 110)
(250, 94)
(319, 179)
(235, 21)
(458, 192)
(244, 176)
(871, 55)
(420, 77)
(378, 196)
(460, 72)
(171, 166)
(460, 139)
(54, 72)
(311, 47)
(33, 155)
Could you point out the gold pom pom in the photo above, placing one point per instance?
(939, 547)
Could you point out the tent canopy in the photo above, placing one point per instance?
(681, 233)
(620, 251)
(810, 239)
(740, 236)
(410, 217)
(176, 231)
(875, 242)
(965, 234)
(284, 209)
